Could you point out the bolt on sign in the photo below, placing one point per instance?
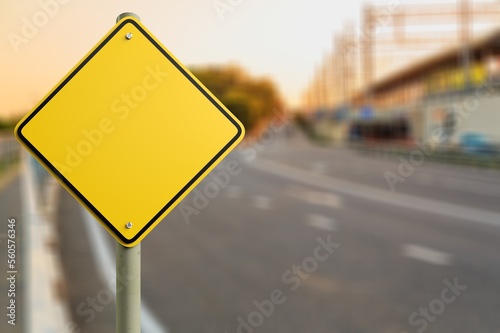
(129, 131)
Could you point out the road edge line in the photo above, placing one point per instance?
(374, 194)
(43, 268)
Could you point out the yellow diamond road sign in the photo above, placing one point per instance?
(129, 131)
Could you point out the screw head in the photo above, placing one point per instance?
(128, 35)
(128, 225)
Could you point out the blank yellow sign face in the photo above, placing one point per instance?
(129, 131)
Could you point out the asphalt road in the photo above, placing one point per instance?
(10, 209)
(306, 239)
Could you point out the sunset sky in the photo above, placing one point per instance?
(282, 39)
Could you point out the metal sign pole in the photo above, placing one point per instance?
(128, 289)
(128, 277)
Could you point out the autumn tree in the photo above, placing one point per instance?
(251, 100)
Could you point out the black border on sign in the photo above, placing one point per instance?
(75, 190)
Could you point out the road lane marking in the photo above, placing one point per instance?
(324, 284)
(453, 211)
(45, 311)
(321, 222)
(323, 199)
(427, 255)
(106, 263)
(262, 202)
(233, 192)
(314, 197)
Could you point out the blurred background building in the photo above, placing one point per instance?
(406, 71)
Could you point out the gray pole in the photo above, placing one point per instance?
(128, 277)
(122, 15)
(128, 289)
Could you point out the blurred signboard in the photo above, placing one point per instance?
(454, 78)
(129, 131)
(366, 112)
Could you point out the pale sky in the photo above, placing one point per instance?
(282, 39)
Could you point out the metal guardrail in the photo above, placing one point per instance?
(9, 150)
(443, 154)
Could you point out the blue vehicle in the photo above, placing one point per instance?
(476, 143)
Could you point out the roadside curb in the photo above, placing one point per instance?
(46, 303)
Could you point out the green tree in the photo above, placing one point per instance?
(8, 124)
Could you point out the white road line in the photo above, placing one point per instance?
(323, 198)
(427, 255)
(262, 202)
(321, 222)
(382, 196)
(323, 284)
(106, 263)
(45, 311)
(233, 192)
(316, 198)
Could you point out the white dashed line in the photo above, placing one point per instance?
(323, 198)
(323, 284)
(262, 202)
(425, 254)
(316, 198)
(321, 222)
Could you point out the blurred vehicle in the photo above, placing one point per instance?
(477, 143)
